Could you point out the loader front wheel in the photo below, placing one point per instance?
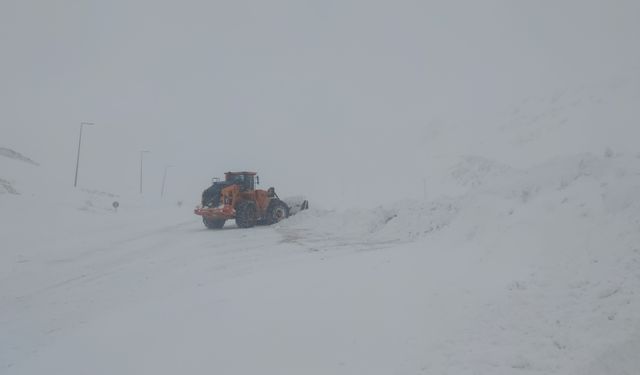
(213, 223)
(246, 214)
(277, 211)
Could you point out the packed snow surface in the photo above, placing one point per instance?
(532, 270)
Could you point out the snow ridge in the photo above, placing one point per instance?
(7, 187)
(11, 154)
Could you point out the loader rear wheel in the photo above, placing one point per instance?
(213, 223)
(277, 211)
(246, 214)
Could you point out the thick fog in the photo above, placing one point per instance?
(347, 102)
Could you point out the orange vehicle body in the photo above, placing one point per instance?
(237, 198)
(231, 196)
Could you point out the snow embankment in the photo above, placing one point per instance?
(546, 261)
(7, 187)
(586, 188)
(12, 154)
(12, 165)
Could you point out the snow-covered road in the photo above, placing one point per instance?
(181, 299)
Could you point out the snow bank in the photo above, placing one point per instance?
(493, 198)
(551, 252)
(9, 153)
(15, 168)
(7, 187)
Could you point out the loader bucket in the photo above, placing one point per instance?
(296, 204)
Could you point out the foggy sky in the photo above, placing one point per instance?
(337, 100)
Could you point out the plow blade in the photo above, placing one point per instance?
(296, 204)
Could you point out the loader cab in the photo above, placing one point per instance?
(246, 180)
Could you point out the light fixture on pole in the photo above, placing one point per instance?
(82, 124)
(141, 155)
(164, 178)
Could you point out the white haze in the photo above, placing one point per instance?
(344, 101)
(516, 120)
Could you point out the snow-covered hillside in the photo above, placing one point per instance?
(516, 270)
(10, 161)
(11, 154)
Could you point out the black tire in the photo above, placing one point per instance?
(246, 214)
(213, 223)
(277, 211)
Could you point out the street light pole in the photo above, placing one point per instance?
(141, 154)
(164, 179)
(82, 124)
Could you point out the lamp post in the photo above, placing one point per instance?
(82, 124)
(164, 178)
(141, 155)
